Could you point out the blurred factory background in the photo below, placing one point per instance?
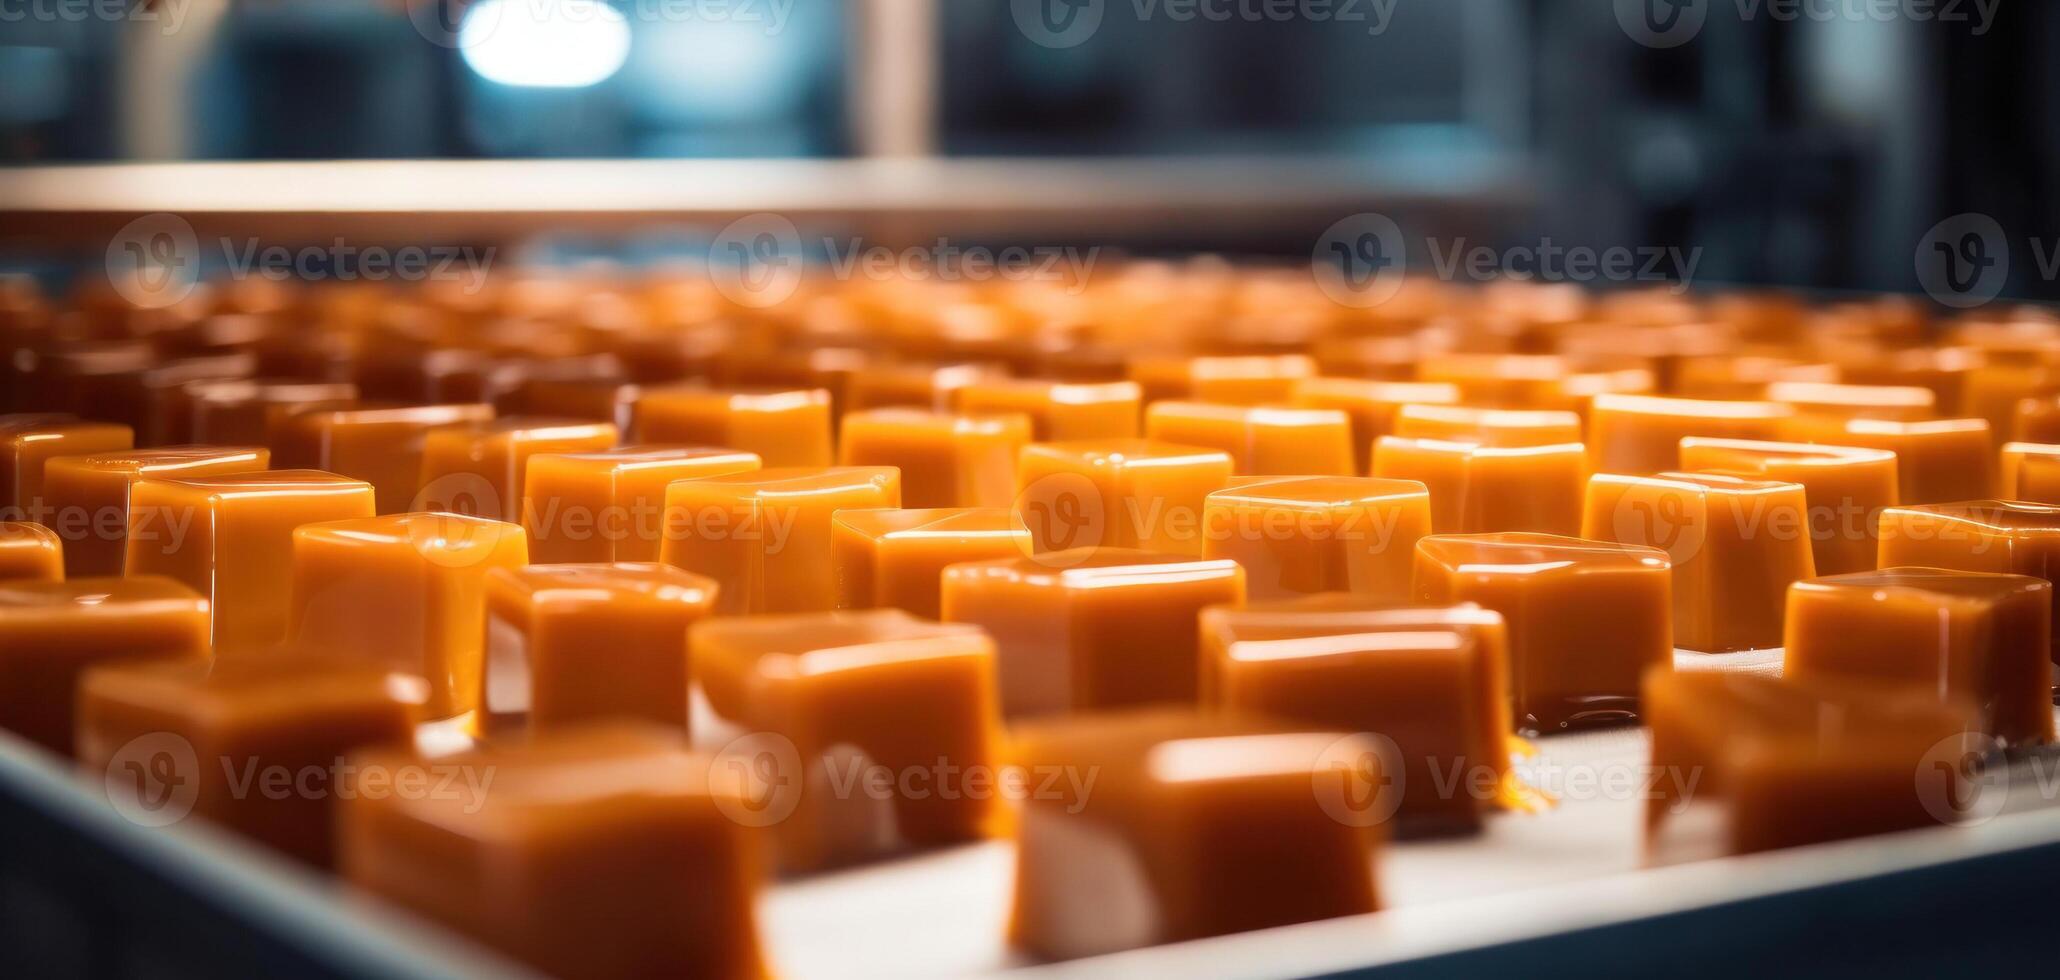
(1811, 148)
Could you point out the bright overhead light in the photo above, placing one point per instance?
(544, 43)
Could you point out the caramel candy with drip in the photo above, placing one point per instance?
(1982, 638)
(1736, 546)
(52, 632)
(2014, 457)
(1118, 493)
(230, 537)
(1640, 434)
(1295, 535)
(1260, 441)
(610, 505)
(1247, 380)
(1479, 489)
(858, 691)
(381, 446)
(30, 551)
(1789, 762)
(402, 591)
(1488, 426)
(1371, 405)
(1900, 403)
(567, 644)
(945, 460)
(252, 413)
(481, 469)
(1060, 411)
(896, 558)
(1846, 487)
(1432, 679)
(2010, 537)
(610, 852)
(245, 727)
(28, 441)
(1555, 592)
(1092, 627)
(1194, 826)
(1937, 462)
(788, 427)
(765, 536)
(88, 496)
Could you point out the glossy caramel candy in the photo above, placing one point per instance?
(610, 505)
(1119, 493)
(481, 469)
(784, 427)
(1979, 637)
(262, 738)
(230, 537)
(1296, 535)
(1937, 462)
(765, 536)
(606, 852)
(2037, 479)
(1488, 426)
(854, 693)
(1787, 762)
(1245, 380)
(1477, 489)
(569, 644)
(1261, 441)
(1432, 679)
(52, 632)
(1193, 826)
(1565, 670)
(1371, 405)
(896, 558)
(381, 446)
(27, 442)
(1846, 488)
(1060, 411)
(30, 551)
(1092, 628)
(1736, 546)
(1902, 403)
(1640, 434)
(945, 460)
(88, 496)
(2009, 537)
(2010, 475)
(924, 387)
(252, 412)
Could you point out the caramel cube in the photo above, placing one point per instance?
(230, 538)
(765, 536)
(1979, 637)
(2009, 537)
(1736, 546)
(1260, 441)
(610, 505)
(2038, 479)
(1846, 488)
(1553, 591)
(854, 693)
(567, 644)
(945, 460)
(1640, 434)
(1488, 426)
(1060, 411)
(88, 496)
(51, 632)
(1937, 462)
(1788, 762)
(784, 427)
(1295, 535)
(1902, 403)
(1371, 405)
(30, 551)
(924, 387)
(27, 442)
(481, 469)
(1119, 493)
(262, 738)
(896, 558)
(1247, 380)
(2037, 420)
(252, 412)
(381, 446)
(2010, 476)
(1479, 489)
(404, 591)
(1193, 826)
(606, 852)
(1092, 627)
(1433, 680)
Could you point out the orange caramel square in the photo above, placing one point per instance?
(1295, 535)
(896, 558)
(1371, 405)
(52, 632)
(28, 441)
(1060, 411)
(1639, 434)
(1937, 462)
(481, 469)
(785, 427)
(2012, 537)
(381, 446)
(1261, 441)
(1846, 488)
(88, 496)
(30, 551)
(1488, 426)
(1119, 493)
(765, 536)
(1478, 489)
(610, 505)
(945, 460)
